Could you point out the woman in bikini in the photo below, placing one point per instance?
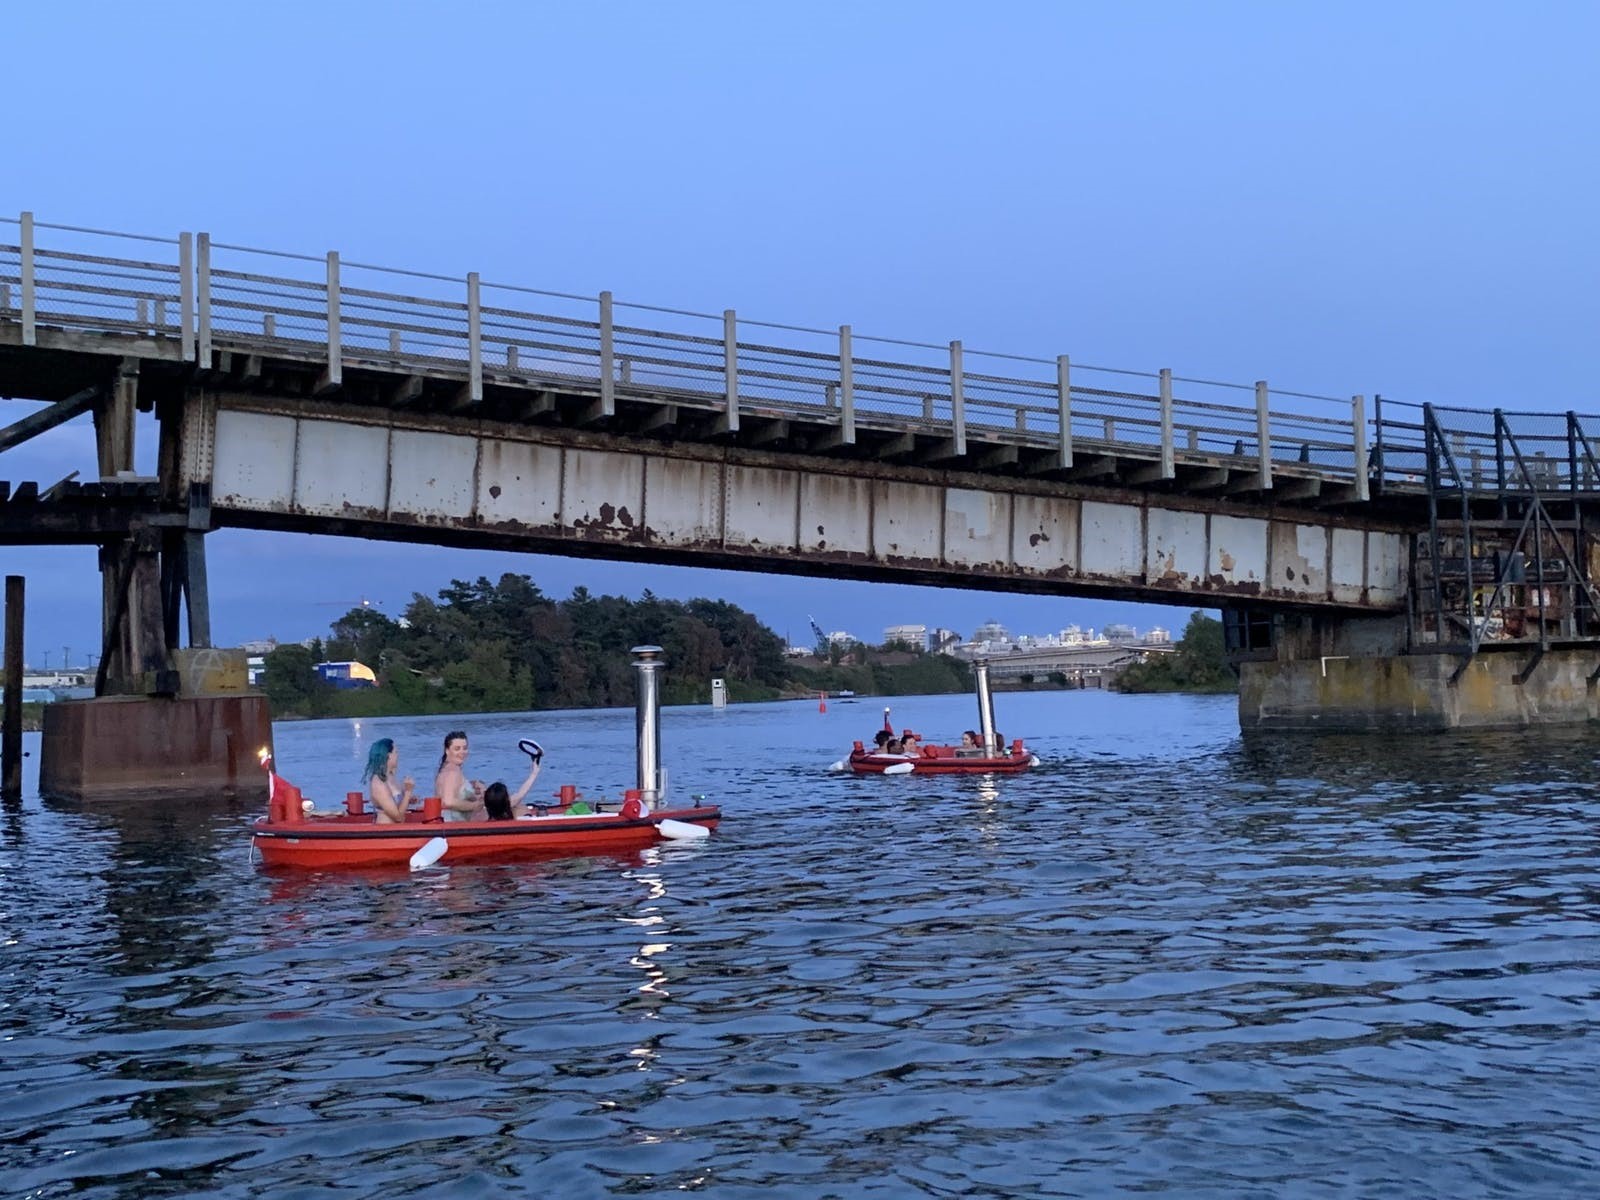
(461, 799)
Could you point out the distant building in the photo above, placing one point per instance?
(991, 632)
(1157, 637)
(915, 636)
(840, 638)
(261, 646)
(1117, 632)
(945, 641)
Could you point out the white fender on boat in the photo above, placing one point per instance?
(837, 766)
(904, 768)
(1033, 760)
(430, 852)
(681, 830)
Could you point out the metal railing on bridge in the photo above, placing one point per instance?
(206, 297)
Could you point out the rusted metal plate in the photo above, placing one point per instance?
(253, 461)
(603, 495)
(1044, 535)
(977, 529)
(519, 483)
(1347, 577)
(1237, 557)
(761, 507)
(1113, 540)
(1386, 568)
(683, 502)
(341, 469)
(1298, 556)
(432, 475)
(906, 522)
(1176, 555)
(834, 516)
(763, 513)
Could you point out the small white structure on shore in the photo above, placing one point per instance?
(719, 694)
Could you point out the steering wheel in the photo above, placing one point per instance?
(532, 749)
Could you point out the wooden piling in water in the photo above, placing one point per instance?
(11, 717)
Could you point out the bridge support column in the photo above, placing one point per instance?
(166, 722)
(1336, 676)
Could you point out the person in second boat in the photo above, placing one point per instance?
(970, 745)
(462, 800)
(911, 745)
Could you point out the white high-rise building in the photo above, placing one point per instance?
(915, 636)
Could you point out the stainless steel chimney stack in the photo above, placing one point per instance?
(647, 662)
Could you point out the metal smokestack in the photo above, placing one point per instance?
(980, 670)
(647, 662)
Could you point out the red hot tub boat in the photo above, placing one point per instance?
(294, 834)
(986, 757)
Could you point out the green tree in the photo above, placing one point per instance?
(1197, 663)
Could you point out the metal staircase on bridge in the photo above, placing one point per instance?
(1507, 559)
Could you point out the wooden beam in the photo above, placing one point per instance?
(251, 370)
(896, 446)
(1147, 473)
(57, 414)
(944, 450)
(1091, 468)
(594, 412)
(663, 416)
(407, 391)
(540, 404)
(1296, 489)
(1003, 455)
(327, 382)
(767, 432)
(1205, 480)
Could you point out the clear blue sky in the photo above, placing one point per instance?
(1340, 199)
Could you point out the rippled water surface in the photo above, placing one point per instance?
(1171, 960)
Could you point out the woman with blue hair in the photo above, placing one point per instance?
(383, 760)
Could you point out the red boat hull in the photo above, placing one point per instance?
(356, 841)
(943, 764)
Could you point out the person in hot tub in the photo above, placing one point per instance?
(501, 804)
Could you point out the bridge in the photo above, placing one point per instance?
(312, 393)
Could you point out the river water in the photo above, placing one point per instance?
(1171, 960)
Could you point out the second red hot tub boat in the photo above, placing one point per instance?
(988, 757)
(294, 834)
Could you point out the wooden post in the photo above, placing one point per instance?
(186, 294)
(335, 374)
(608, 359)
(847, 388)
(1263, 437)
(474, 339)
(730, 368)
(1064, 410)
(1167, 468)
(958, 401)
(1358, 423)
(30, 333)
(202, 291)
(11, 718)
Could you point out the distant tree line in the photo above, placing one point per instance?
(1197, 664)
(507, 647)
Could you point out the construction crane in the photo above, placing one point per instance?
(817, 629)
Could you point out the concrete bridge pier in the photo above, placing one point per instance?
(1355, 675)
(167, 721)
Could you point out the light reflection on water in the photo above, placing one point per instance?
(1170, 959)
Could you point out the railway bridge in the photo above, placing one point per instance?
(1375, 563)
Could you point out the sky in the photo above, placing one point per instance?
(1341, 199)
